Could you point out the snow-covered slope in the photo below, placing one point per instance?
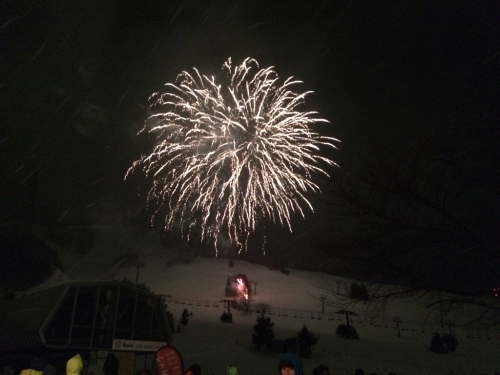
(294, 299)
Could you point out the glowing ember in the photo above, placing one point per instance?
(242, 287)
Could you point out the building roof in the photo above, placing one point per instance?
(24, 320)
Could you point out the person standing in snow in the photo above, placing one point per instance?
(321, 370)
(74, 365)
(290, 364)
(110, 366)
(194, 369)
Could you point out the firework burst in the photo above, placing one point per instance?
(229, 156)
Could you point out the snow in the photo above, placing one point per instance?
(199, 287)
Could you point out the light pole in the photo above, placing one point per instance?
(255, 284)
(138, 265)
(323, 299)
(397, 321)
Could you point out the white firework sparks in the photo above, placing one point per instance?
(228, 157)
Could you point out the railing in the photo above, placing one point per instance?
(378, 322)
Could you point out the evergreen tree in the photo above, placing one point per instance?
(359, 292)
(184, 317)
(348, 332)
(307, 341)
(170, 320)
(263, 335)
(437, 344)
(451, 342)
(445, 344)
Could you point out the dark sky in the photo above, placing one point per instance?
(76, 76)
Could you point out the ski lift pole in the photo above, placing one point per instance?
(138, 265)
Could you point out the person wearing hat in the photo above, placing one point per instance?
(321, 370)
(290, 364)
(194, 369)
(74, 365)
(232, 370)
(111, 364)
(37, 366)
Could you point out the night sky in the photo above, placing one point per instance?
(76, 77)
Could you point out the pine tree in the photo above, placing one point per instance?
(184, 317)
(359, 292)
(445, 344)
(263, 335)
(437, 344)
(170, 320)
(307, 341)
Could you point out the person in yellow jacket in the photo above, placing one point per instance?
(232, 370)
(37, 366)
(30, 371)
(74, 365)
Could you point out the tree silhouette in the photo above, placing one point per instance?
(423, 213)
(307, 341)
(263, 335)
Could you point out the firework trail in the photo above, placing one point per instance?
(227, 157)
